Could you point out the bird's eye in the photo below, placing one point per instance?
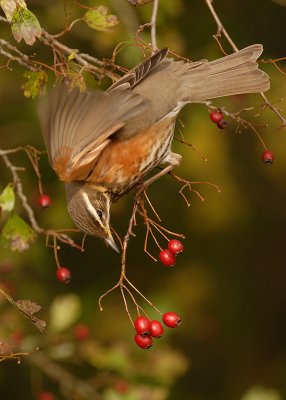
(99, 213)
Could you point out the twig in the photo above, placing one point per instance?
(70, 384)
(125, 303)
(143, 297)
(153, 25)
(221, 29)
(19, 60)
(60, 234)
(91, 64)
(19, 190)
(151, 206)
(99, 69)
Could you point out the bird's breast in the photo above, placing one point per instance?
(123, 163)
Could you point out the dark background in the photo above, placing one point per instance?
(228, 285)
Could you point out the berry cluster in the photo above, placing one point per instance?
(146, 330)
(168, 256)
(216, 116)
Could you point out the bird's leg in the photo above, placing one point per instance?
(172, 159)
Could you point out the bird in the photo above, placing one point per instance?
(102, 144)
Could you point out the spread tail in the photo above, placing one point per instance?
(237, 73)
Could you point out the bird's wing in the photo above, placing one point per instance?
(133, 77)
(77, 126)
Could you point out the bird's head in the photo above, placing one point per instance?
(89, 208)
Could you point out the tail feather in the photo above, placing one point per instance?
(237, 73)
(250, 53)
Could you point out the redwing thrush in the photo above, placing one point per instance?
(101, 144)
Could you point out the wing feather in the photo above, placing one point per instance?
(78, 125)
(141, 70)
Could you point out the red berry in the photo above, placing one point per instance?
(142, 325)
(46, 396)
(216, 116)
(171, 319)
(175, 246)
(121, 386)
(167, 258)
(81, 332)
(63, 275)
(267, 157)
(45, 201)
(222, 124)
(156, 329)
(17, 337)
(143, 341)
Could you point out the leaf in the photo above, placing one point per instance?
(257, 392)
(9, 6)
(16, 234)
(72, 55)
(27, 308)
(35, 83)
(64, 311)
(76, 80)
(7, 198)
(98, 19)
(25, 25)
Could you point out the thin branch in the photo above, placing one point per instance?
(221, 29)
(70, 384)
(143, 297)
(99, 69)
(125, 303)
(89, 63)
(19, 190)
(19, 60)
(153, 25)
(151, 206)
(60, 235)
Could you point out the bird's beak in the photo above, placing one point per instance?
(110, 241)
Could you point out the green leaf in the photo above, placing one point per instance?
(7, 198)
(75, 80)
(16, 234)
(64, 311)
(9, 6)
(25, 25)
(99, 19)
(72, 55)
(35, 83)
(258, 392)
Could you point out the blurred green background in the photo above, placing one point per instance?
(229, 285)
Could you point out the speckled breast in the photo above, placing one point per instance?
(123, 164)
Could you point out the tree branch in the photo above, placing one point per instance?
(222, 30)
(72, 387)
(153, 25)
(89, 63)
(19, 190)
(20, 58)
